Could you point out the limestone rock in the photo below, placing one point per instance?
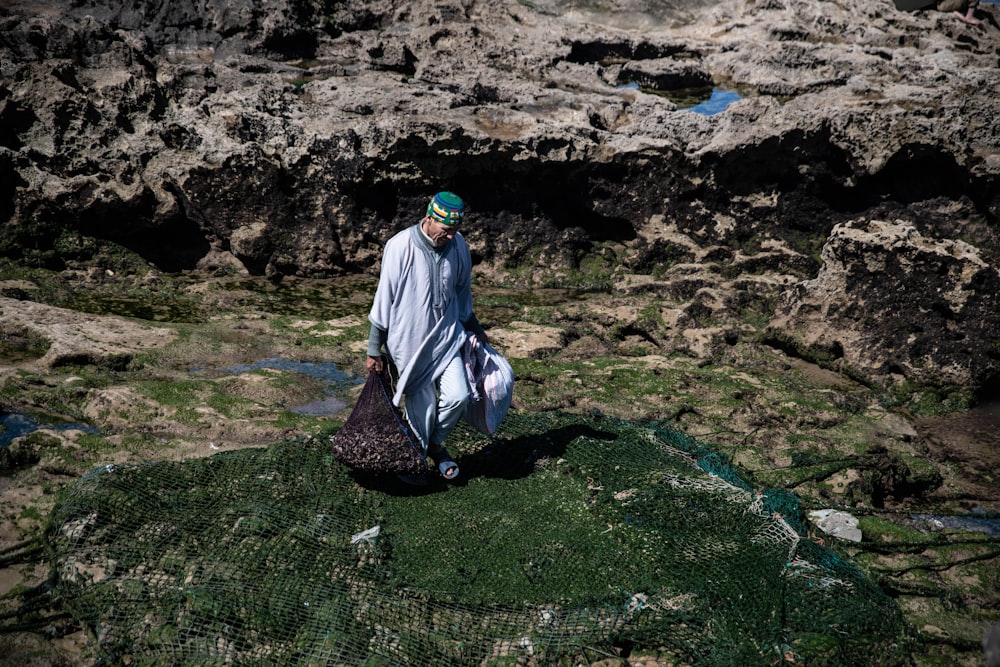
(891, 303)
(295, 137)
(81, 338)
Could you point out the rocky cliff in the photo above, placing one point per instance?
(850, 196)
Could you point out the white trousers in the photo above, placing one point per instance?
(434, 410)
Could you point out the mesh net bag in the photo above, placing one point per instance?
(376, 438)
(570, 539)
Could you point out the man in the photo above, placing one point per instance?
(421, 311)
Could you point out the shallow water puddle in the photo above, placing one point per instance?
(716, 103)
(701, 101)
(336, 380)
(16, 425)
(978, 524)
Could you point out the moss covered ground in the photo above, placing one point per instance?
(784, 422)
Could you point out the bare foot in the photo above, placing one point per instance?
(967, 17)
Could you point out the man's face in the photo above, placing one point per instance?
(439, 232)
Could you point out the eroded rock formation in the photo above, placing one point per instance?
(853, 190)
(859, 312)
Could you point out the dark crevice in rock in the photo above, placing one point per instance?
(915, 173)
(172, 247)
(606, 51)
(989, 392)
(380, 200)
(10, 181)
(14, 121)
(695, 80)
(531, 199)
(824, 357)
(111, 362)
(783, 163)
(291, 46)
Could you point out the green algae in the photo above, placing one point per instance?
(745, 399)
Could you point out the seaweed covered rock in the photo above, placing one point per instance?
(891, 304)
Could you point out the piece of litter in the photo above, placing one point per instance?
(368, 535)
(837, 523)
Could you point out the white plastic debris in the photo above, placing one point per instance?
(637, 602)
(837, 523)
(368, 535)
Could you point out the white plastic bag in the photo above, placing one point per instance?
(491, 385)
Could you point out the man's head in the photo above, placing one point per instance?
(446, 208)
(445, 213)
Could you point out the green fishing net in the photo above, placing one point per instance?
(567, 540)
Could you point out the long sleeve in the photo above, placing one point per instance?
(376, 340)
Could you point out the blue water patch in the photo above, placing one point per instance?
(324, 370)
(692, 99)
(328, 406)
(971, 522)
(717, 103)
(327, 372)
(16, 425)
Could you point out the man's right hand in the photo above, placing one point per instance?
(373, 364)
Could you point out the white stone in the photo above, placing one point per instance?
(837, 523)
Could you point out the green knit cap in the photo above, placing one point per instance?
(447, 208)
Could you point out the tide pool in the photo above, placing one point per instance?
(16, 424)
(717, 103)
(336, 381)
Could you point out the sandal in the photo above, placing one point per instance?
(445, 464)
